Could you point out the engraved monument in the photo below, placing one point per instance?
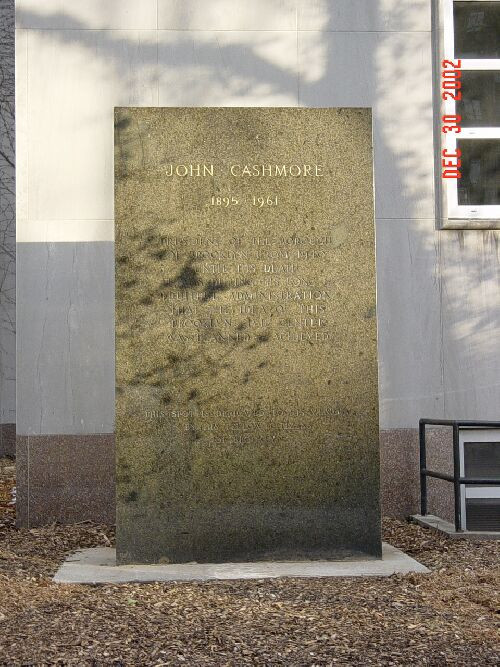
(246, 344)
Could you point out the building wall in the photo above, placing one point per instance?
(438, 291)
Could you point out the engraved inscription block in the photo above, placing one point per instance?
(246, 345)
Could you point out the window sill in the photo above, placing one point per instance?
(469, 223)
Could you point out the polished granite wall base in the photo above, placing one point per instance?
(65, 478)
(7, 439)
(60, 463)
(399, 472)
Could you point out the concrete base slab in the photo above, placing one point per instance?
(98, 566)
(448, 529)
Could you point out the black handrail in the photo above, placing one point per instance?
(457, 480)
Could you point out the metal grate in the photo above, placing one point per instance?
(482, 459)
(483, 514)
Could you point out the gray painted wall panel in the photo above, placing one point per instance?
(65, 351)
(470, 266)
(409, 322)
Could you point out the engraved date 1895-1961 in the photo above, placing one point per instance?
(451, 85)
(259, 202)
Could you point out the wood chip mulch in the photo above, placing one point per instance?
(448, 617)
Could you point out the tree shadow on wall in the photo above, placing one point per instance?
(387, 68)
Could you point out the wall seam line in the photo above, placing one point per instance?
(324, 32)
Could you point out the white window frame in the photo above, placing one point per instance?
(452, 214)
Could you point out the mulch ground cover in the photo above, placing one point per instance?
(448, 617)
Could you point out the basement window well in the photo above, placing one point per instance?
(480, 458)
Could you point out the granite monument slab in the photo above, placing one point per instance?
(246, 343)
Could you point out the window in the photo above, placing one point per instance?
(480, 458)
(470, 31)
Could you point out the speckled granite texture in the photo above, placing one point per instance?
(247, 409)
(8, 440)
(400, 472)
(64, 479)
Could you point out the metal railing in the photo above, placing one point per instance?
(456, 477)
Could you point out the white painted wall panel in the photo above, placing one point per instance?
(373, 15)
(370, 15)
(22, 138)
(227, 15)
(85, 14)
(392, 73)
(69, 180)
(75, 78)
(337, 69)
(227, 68)
(65, 231)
